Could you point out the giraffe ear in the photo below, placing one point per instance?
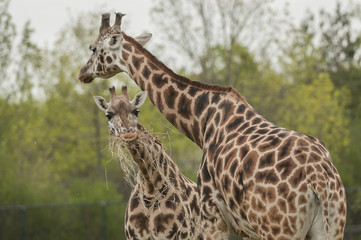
(143, 38)
(101, 103)
(139, 99)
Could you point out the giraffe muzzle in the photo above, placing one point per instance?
(85, 78)
(128, 135)
(85, 75)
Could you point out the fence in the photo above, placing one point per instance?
(104, 220)
(61, 221)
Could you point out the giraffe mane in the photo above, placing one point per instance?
(182, 79)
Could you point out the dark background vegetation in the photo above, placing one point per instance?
(53, 139)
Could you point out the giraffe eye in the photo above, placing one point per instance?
(109, 116)
(92, 49)
(113, 40)
(136, 112)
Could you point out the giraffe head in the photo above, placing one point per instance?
(122, 113)
(107, 58)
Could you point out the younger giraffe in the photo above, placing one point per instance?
(163, 203)
(257, 179)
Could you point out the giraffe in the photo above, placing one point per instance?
(255, 178)
(163, 203)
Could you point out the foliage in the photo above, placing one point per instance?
(8, 34)
(196, 28)
(323, 116)
(330, 48)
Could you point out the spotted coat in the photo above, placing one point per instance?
(164, 204)
(256, 179)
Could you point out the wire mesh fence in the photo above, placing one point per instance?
(104, 220)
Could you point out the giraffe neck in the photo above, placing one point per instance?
(157, 169)
(187, 104)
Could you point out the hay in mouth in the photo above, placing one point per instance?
(119, 150)
(119, 147)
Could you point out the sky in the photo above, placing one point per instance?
(47, 17)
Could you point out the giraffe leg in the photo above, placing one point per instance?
(334, 216)
(317, 231)
(213, 225)
(337, 219)
(215, 229)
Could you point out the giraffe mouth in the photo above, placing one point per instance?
(84, 75)
(88, 80)
(129, 136)
(85, 79)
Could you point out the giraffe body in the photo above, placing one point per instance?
(163, 203)
(255, 178)
(171, 210)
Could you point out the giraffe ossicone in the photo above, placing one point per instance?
(163, 203)
(255, 178)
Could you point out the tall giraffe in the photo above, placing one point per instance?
(163, 203)
(256, 179)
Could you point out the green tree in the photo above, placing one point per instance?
(196, 28)
(7, 38)
(302, 59)
(8, 34)
(315, 109)
(27, 65)
(241, 64)
(313, 102)
(256, 81)
(340, 47)
(333, 49)
(50, 150)
(18, 113)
